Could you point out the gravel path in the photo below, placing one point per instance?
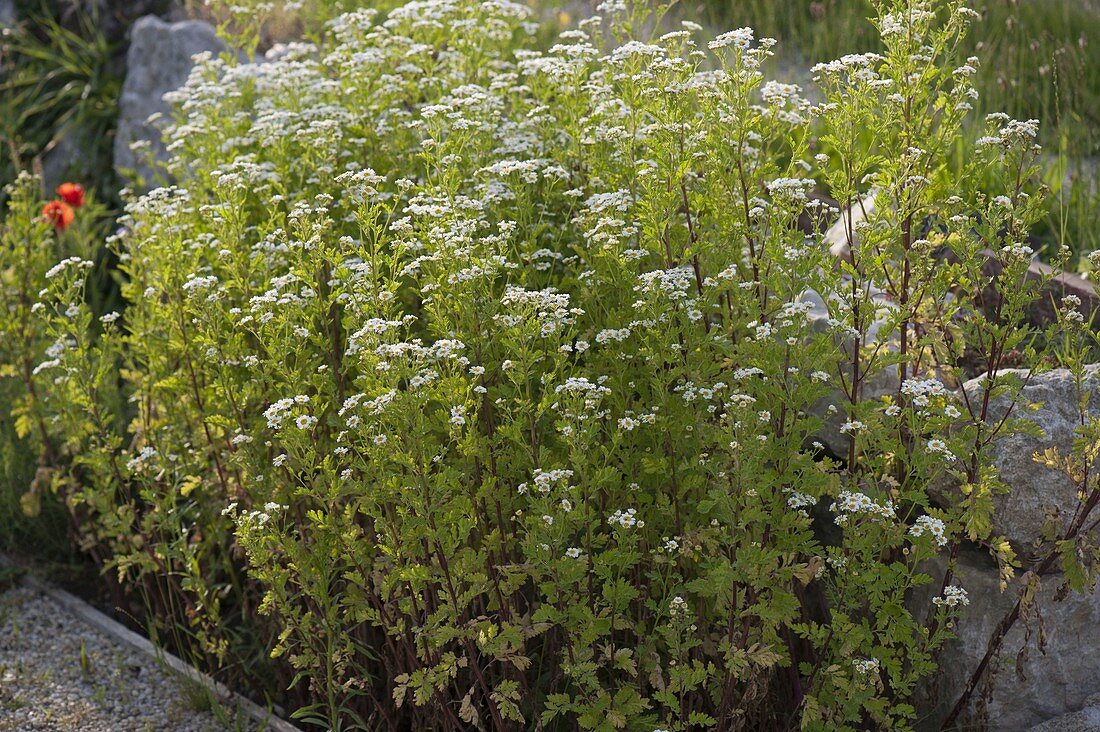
(47, 684)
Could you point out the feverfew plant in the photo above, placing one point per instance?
(491, 374)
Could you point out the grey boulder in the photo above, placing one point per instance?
(837, 236)
(1086, 719)
(159, 61)
(1055, 682)
(1050, 402)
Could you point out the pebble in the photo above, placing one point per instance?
(48, 684)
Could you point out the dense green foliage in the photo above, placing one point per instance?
(486, 379)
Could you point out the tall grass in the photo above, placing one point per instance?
(1039, 56)
(58, 82)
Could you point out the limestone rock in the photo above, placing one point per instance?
(1055, 683)
(158, 62)
(836, 237)
(1086, 719)
(1036, 489)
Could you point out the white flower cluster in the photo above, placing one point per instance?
(852, 68)
(852, 503)
(610, 335)
(800, 502)
(372, 328)
(740, 39)
(1018, 251)
(894, 24)
(139, 462)
(625, 519)
(920, 391)
(546, 480)
(866, 666)
(1011, 133)
(548, 307)
(791, 189)
(279, 411)
(672, 284)
(74, 262)
(852, 426)
(580, 398)
(55, 351)
(953, 596)
(932, 526)
(689, 391)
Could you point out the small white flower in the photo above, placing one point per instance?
(939, 447)
(931, 525)
(851, 503)
(625, 519)
(866, 666)
(953, 596)
(800, 501)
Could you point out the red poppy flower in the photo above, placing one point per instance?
(72, 194)
(59, 214)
